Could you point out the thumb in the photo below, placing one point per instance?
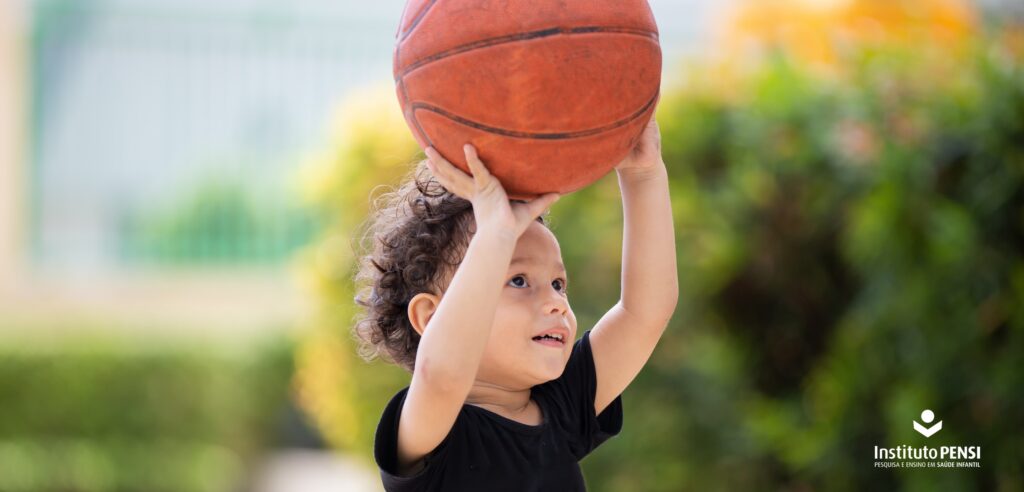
(538, 205)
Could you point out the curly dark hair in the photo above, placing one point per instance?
(420, 233)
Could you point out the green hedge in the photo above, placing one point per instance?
(102, 414)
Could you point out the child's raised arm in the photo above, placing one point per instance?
(624, 338)
(456, 332)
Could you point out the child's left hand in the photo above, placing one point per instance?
(645, 157)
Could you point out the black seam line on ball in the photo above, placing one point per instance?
(416, 21)
(540, 136)
(410, 115)
(523, 36)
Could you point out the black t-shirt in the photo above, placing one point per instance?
(486, 451)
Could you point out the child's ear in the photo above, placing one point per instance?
(421, 308)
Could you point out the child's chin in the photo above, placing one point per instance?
(550, 371)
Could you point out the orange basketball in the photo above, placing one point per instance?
(552, 93)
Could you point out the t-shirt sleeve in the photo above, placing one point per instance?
(571, 401)
(385, 452)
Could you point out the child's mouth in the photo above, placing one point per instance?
(549, 341)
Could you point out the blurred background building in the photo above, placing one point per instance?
(165, 135)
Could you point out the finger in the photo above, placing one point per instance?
(440, 177)
(538, 205)
(450, 176)
(447, 184)
(446, 169)
(480, 173)
(653, 122)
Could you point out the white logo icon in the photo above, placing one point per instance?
(927, 416)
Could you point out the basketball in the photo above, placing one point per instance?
(553, 94)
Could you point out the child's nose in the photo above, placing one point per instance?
(556, 302)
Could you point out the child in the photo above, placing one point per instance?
(467, 291)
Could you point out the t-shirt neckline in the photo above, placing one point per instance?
(514, 424)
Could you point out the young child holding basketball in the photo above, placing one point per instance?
(466, 290)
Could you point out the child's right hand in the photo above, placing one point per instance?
(491, 206)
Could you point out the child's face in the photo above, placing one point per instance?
(532, 300)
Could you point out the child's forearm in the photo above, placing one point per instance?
(453, 342)
(650, 286)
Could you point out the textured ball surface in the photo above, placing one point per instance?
(553, 94)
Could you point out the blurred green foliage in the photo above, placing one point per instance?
(95, 413)
(221, 220)
(850, 254)
(370, 149)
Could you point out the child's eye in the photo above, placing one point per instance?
(519, 277)
(561, 283)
